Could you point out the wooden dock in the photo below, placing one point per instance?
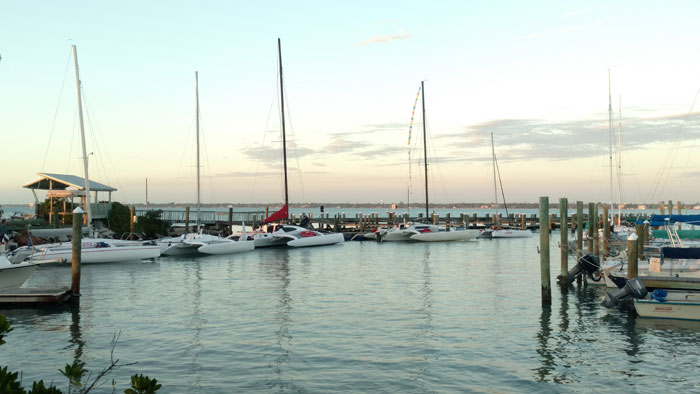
(30, 297)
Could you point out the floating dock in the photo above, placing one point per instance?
(31, 297)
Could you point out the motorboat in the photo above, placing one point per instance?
(14, 275)
(434, 233)
(94, 250)
(669, 304)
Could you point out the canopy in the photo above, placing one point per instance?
(48, 181)
(660, 220)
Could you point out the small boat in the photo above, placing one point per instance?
(14, 275)
(434, 233)
(232, 244)
(288, 234)
(95, 250)
(497, 231)
(669, 304)
(295, 236)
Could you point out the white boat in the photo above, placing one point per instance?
(498, 232)
(507, 233)
(287, 234)
(198, 242)
(98, 250)
(14, 275)
(669, 304)
(296, 236)
(433, 233)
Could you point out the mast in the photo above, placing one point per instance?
(82, 139)
(610, 122)
(196, 103)
(284, 134)
(619, 167)
(493, 162)
(425, 151)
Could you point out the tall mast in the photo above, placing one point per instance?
(619, 167)
(82, 139)
(610, 121)
(425, 150)
(284, 134)
(493, 162)
(196, 103)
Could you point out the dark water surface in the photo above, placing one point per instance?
(358, 317)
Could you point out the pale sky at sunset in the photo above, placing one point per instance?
(533, 73)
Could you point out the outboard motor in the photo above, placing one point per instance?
(633, 287)
(587, 264)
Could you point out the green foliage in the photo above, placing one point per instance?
(75, 372)
(9, 383)
(142, 385)
(5, 328)
(151, 225)
(118, 218)
(39, 388)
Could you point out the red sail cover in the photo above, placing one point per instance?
(283, 213)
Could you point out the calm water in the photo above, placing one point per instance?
(357, 317)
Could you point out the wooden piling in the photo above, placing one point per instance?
(640, 247)
(632, 256)
(76, 256)
(579, 236)
(596, 238)
(606, 233)
(645, 237)
(132, 216)
(591, 220)
(661, 208)
(230, 219)
(522, 221)
(544, 252)
(187, 219)
(564, 231)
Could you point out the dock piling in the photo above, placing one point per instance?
(564, 218)
(632, 260)
(544, 252)
(77, 250)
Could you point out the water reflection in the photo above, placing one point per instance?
(543, 337)
(426, 329)
(279, 269)
(196, 323)
(75, 337)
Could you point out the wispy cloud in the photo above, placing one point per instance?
(402, 35)
(575, 13)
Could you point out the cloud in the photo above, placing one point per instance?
(272, 156)
(379, 39)
(575, 13)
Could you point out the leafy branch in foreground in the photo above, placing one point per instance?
(9, 383)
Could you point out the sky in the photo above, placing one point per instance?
(535, 74)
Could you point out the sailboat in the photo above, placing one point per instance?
(198, 242)
(288, 234)
(94, 250)
(432, 232)
(498, 232)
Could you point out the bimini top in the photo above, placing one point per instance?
(48, 181)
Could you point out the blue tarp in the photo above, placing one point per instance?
(680, 253)
(660, 220)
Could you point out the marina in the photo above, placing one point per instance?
(355, 317)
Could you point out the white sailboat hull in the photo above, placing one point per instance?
(227, 247)
(94, 254)
(511, 234)
(443, 236)
(318, 240)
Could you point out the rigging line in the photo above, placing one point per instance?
(100, 156)
(99, 161)
(267, 125)
(72, 138)
(206, 157)
(188, 139)
(500, 182)
(294, 148)
(55, 115)
(690, 111)
(435, 164)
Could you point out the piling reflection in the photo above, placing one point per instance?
(76, 339)
(543, 337)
